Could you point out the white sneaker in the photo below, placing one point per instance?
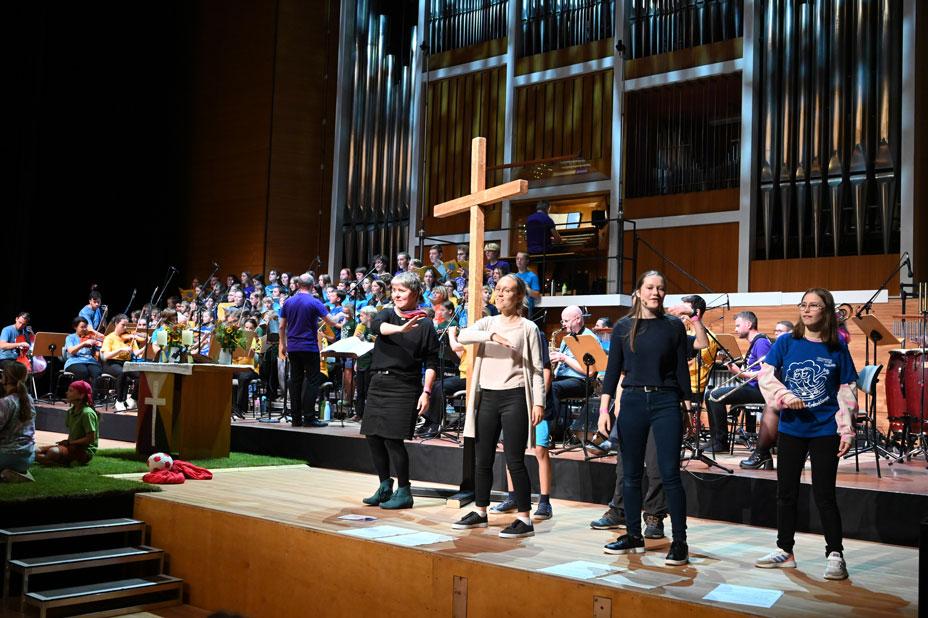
(835, 567)
(130, 403)
(777, 559)
(120, 406)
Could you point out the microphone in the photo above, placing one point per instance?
(908, 263)
(727, 302)
(173, 270)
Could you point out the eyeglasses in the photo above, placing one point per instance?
(811, 306)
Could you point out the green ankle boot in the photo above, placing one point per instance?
(383, 493)
(402, 499)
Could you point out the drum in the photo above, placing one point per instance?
(906, 392)
(916, 393)
(895, 397)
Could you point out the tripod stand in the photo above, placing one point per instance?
(692, 443)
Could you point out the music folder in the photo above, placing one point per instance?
(580, 345)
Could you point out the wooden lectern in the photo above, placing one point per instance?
(184, 409)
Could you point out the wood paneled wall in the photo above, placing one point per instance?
(707, 252)
(851, 272)
(681, 204)
(458, 110)
(259, 176)
(566, 117)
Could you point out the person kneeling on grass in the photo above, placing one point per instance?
(82, 424)
(17, 425)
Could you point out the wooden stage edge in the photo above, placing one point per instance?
(266, 542)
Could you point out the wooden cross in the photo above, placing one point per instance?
(475, 202)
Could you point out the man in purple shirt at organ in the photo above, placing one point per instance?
(540, 232)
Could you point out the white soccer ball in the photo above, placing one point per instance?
(160, 461)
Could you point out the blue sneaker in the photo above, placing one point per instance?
(543, 511)
(506, 506)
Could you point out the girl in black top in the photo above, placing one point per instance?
(650, 348)
(405, 344)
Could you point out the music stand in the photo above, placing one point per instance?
(50, 345)
(587, 350)
(350, 348)
(728, 343)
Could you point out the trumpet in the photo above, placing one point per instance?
(728, 382)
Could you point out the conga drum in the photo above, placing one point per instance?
(895, 396)
(916, 393)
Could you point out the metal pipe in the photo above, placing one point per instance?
(858, 160)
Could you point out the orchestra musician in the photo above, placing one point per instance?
(767, 432)
(118, 347)
(362, 368)
(758, 346)
(250, 367)
(406, 344)
(16, 337)
(569, 374)
(93, 313)
(650, 348)
(449, 368)
(817, 398)
(82, 349)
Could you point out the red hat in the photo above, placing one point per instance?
(82, 387)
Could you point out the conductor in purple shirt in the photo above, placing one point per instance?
(299, 326)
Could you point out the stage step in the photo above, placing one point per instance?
(11, 537)
(148, 591)
(70, 529)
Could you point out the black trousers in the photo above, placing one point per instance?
(504, 411)
(114, 368)
(563, 388)
(791, 460)
(362, 381)
(718, 412)
(244, 378)
(269, 372)
(305, 379)
(441, 389)
(88, 372)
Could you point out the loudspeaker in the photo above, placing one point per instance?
(599, 218)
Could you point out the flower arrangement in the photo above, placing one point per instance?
(229, 337)
(175, 335)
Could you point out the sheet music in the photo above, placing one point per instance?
(350, 346)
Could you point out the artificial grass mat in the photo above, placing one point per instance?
(90, 480)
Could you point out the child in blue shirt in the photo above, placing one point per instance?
(817, 395)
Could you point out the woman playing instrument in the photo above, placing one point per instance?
(508, 370)
(118, 348)
(82, 348)
(17, 425)
(650, 348)
(816, 394)
(406, 345)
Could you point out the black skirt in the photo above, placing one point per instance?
(390, 410)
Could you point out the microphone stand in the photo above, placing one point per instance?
(197, 310)
(151, 303)
(353, 288)
(693, 445)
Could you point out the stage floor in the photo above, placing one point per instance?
(883, 578)
(905, 477)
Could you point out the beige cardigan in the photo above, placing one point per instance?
(532, 369)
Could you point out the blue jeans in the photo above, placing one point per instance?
(659, 413)
(20, 463)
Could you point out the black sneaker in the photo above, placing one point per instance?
(678, 555)
(654, 526)
(610, 520)
(625, 544)
(471, 520)
(314, 422)
(517, 530)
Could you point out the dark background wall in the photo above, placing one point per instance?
(139, 136)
